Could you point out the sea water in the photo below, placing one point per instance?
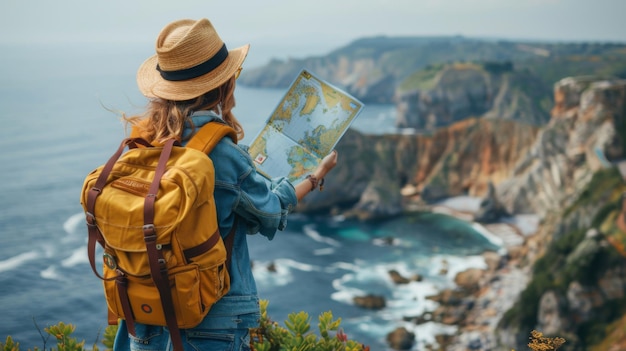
(59, 120)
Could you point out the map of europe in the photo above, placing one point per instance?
(305, 126)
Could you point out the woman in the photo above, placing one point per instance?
(190, 82)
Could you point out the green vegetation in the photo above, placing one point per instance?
(424, 79)
(297, 334)
(270, 336)
(603, 181)
(62, 333)
(608, 63)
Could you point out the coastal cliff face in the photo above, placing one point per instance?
(571, 178)
(461, 159)
(584, 134)
(534, 170)
(450, 93)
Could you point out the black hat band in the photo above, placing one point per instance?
(198, 70)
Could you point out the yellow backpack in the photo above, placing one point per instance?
(152, 210)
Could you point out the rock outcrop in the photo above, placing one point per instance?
(457, 92)
(584, 134)
(401, 339)
(462, 159)
(370, 302)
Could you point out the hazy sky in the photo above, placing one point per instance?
(297, 28)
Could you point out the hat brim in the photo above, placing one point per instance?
(152, 85)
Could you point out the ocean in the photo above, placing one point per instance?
(58, 107)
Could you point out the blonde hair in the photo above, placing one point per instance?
(165, 119)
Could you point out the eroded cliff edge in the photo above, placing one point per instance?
(534, 169)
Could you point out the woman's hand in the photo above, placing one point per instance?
(329, 162)
(306, 186)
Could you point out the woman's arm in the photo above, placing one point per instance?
(308, 185)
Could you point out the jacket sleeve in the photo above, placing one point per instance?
(263, 204)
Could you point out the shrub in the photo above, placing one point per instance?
(297, 334)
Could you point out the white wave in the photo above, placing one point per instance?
(323, 252)
(490, 236)
(305, 267)
(50, 273)
(78, 256)
(71, 224)
(278, 275)
(345, 294)
(315, 235)
(17, 261)
(425, 333)
(403, 299)
(280, 271)
(386, 242)
(345, 266)
(339, 218)
(449, 266)
(411, 299)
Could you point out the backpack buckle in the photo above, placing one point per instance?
(149, 232)
(91, 219)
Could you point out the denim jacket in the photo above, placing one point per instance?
(260, 206)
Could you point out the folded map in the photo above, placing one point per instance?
(305, 126)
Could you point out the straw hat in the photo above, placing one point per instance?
(190, 60)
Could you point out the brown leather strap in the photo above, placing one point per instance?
(122, 290)
(94, 236)
(202, 248)
(158, 268)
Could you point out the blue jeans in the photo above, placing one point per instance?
(209, 335)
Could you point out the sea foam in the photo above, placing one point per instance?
(71, 224)
(78, 256)
(16, 261)
(50, 273)
(316, 236)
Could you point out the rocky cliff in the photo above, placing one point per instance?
(571, 178)
(441, 95)
(461, 159)
(584, 134)
(533, 169)
(566, 171)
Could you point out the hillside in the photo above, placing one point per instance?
(372, 68)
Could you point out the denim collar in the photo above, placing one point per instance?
(200, 118)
